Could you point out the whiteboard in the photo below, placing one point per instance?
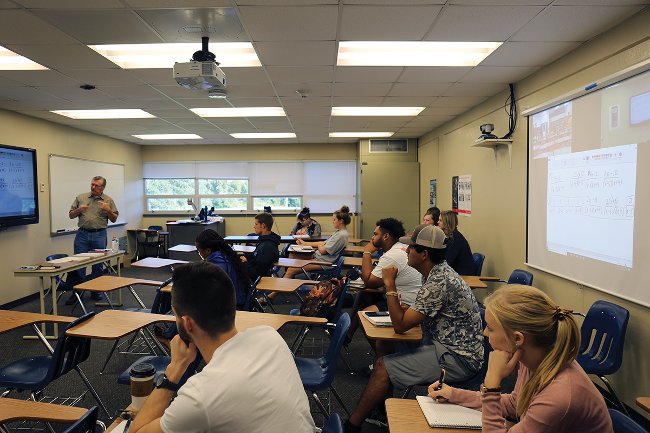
(70, 177)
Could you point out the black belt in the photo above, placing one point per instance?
(91, 230)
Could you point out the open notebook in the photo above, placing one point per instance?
(449, 415)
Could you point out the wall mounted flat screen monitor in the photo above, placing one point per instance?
(18, 186)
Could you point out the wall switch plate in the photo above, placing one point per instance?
(42, 186)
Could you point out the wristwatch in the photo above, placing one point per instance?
(485, 389)
(165, 383)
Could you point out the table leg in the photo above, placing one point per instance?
(137, 298)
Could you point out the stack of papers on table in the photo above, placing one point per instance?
(358, 283)
(90, 255)
(378, 318)
(449, 415)
(301, 249)
(301, 236)
(61, 260)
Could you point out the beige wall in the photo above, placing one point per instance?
(29, 244)
(497, 226)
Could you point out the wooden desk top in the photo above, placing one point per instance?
(114, 324)
(106, 283)
(357, 240)
(300, 263)
(183, 248)
(243, 248)
(405, 416)
(643, 403)
(285, 285)
(354, 262)
(18, 410)
(10, 320)
(489, 278)
(474, 282)
(354, 249)
(387, 332)
(155, 262)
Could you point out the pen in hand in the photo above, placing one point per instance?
(441, 380)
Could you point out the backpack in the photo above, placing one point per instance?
(322, 299)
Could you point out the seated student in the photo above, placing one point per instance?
(446, 309)
(431, 216)
(306, 225)
(266, 250)
(214, 249)
(331, 249)
(459, 254)
(408, 282)
(250, 382)
(531, 333)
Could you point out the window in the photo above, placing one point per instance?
(239, 186)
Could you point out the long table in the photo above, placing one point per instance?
(55, 275)
(21, 410)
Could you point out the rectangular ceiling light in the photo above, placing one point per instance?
(240, 112)
(168, 137)
(10, 61)
(361, 134)
(362, 53)
(105, 114)
(144, 56)
(264, 135)
(376, 111)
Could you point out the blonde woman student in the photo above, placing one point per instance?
(531, 333)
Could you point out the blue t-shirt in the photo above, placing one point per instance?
(222, 261)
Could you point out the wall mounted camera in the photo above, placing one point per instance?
(486, 130)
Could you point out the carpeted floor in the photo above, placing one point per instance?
(349, 384)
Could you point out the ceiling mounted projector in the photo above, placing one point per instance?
(202, 73)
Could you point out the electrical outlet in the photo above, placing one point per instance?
(42, 186)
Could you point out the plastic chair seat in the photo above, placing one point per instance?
(27, 373)
(313, 373)
(624, 424)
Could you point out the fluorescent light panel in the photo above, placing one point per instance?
(10, 61)
(240, 112)
(371, 53)
(105, 114)
(376, 111)
(361, 134)
(146, 56)
(264, 135)
(168, 137)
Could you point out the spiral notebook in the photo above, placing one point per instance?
(449, 415)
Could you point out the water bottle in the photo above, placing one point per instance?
(115, 247)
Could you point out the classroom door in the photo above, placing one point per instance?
(389, 189)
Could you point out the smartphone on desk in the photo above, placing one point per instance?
(377, 313)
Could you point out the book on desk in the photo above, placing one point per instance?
(449, 415)
(378, 318)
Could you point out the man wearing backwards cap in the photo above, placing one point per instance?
(451, 324)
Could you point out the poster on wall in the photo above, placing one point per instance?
(433, 192)
(461, 194)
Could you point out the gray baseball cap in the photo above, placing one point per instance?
(427, 236)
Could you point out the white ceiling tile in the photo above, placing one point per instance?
(408, 101)
(252, 102)
(156, 77)
(458, 101)
(9, 4)
(298, 74)
(296, 53)
(573, 23)
(170, 4)
(367, 74)
(132, 92)
(305, 23)
(528, 53)
(419, 89)
(76, 56)
(481, 23)
(251, 90)
(309, 112)
(361, 89)
(38, 78)
(433, 74)
(474, 89)
(71, 4)
(239, 76)
(498, 74)
(307, 89)
(103, 77)
(93, 27)
(392, 2)
(599, 2)
(21, 27)
(284, 2)
(502, 2)
(189, 24)
(357, 101)
(387, 23)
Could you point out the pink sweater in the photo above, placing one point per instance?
(570, 403)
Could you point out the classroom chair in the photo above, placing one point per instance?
(478, 263)
(63, 286)
(623, 423)
(35, 373)
(334, 424)
(519, 276)
(473, 382)
(602, 336)
(318, 373)
(149, 239)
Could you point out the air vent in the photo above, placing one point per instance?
(389, 146)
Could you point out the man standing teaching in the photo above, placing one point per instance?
(94, 210)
